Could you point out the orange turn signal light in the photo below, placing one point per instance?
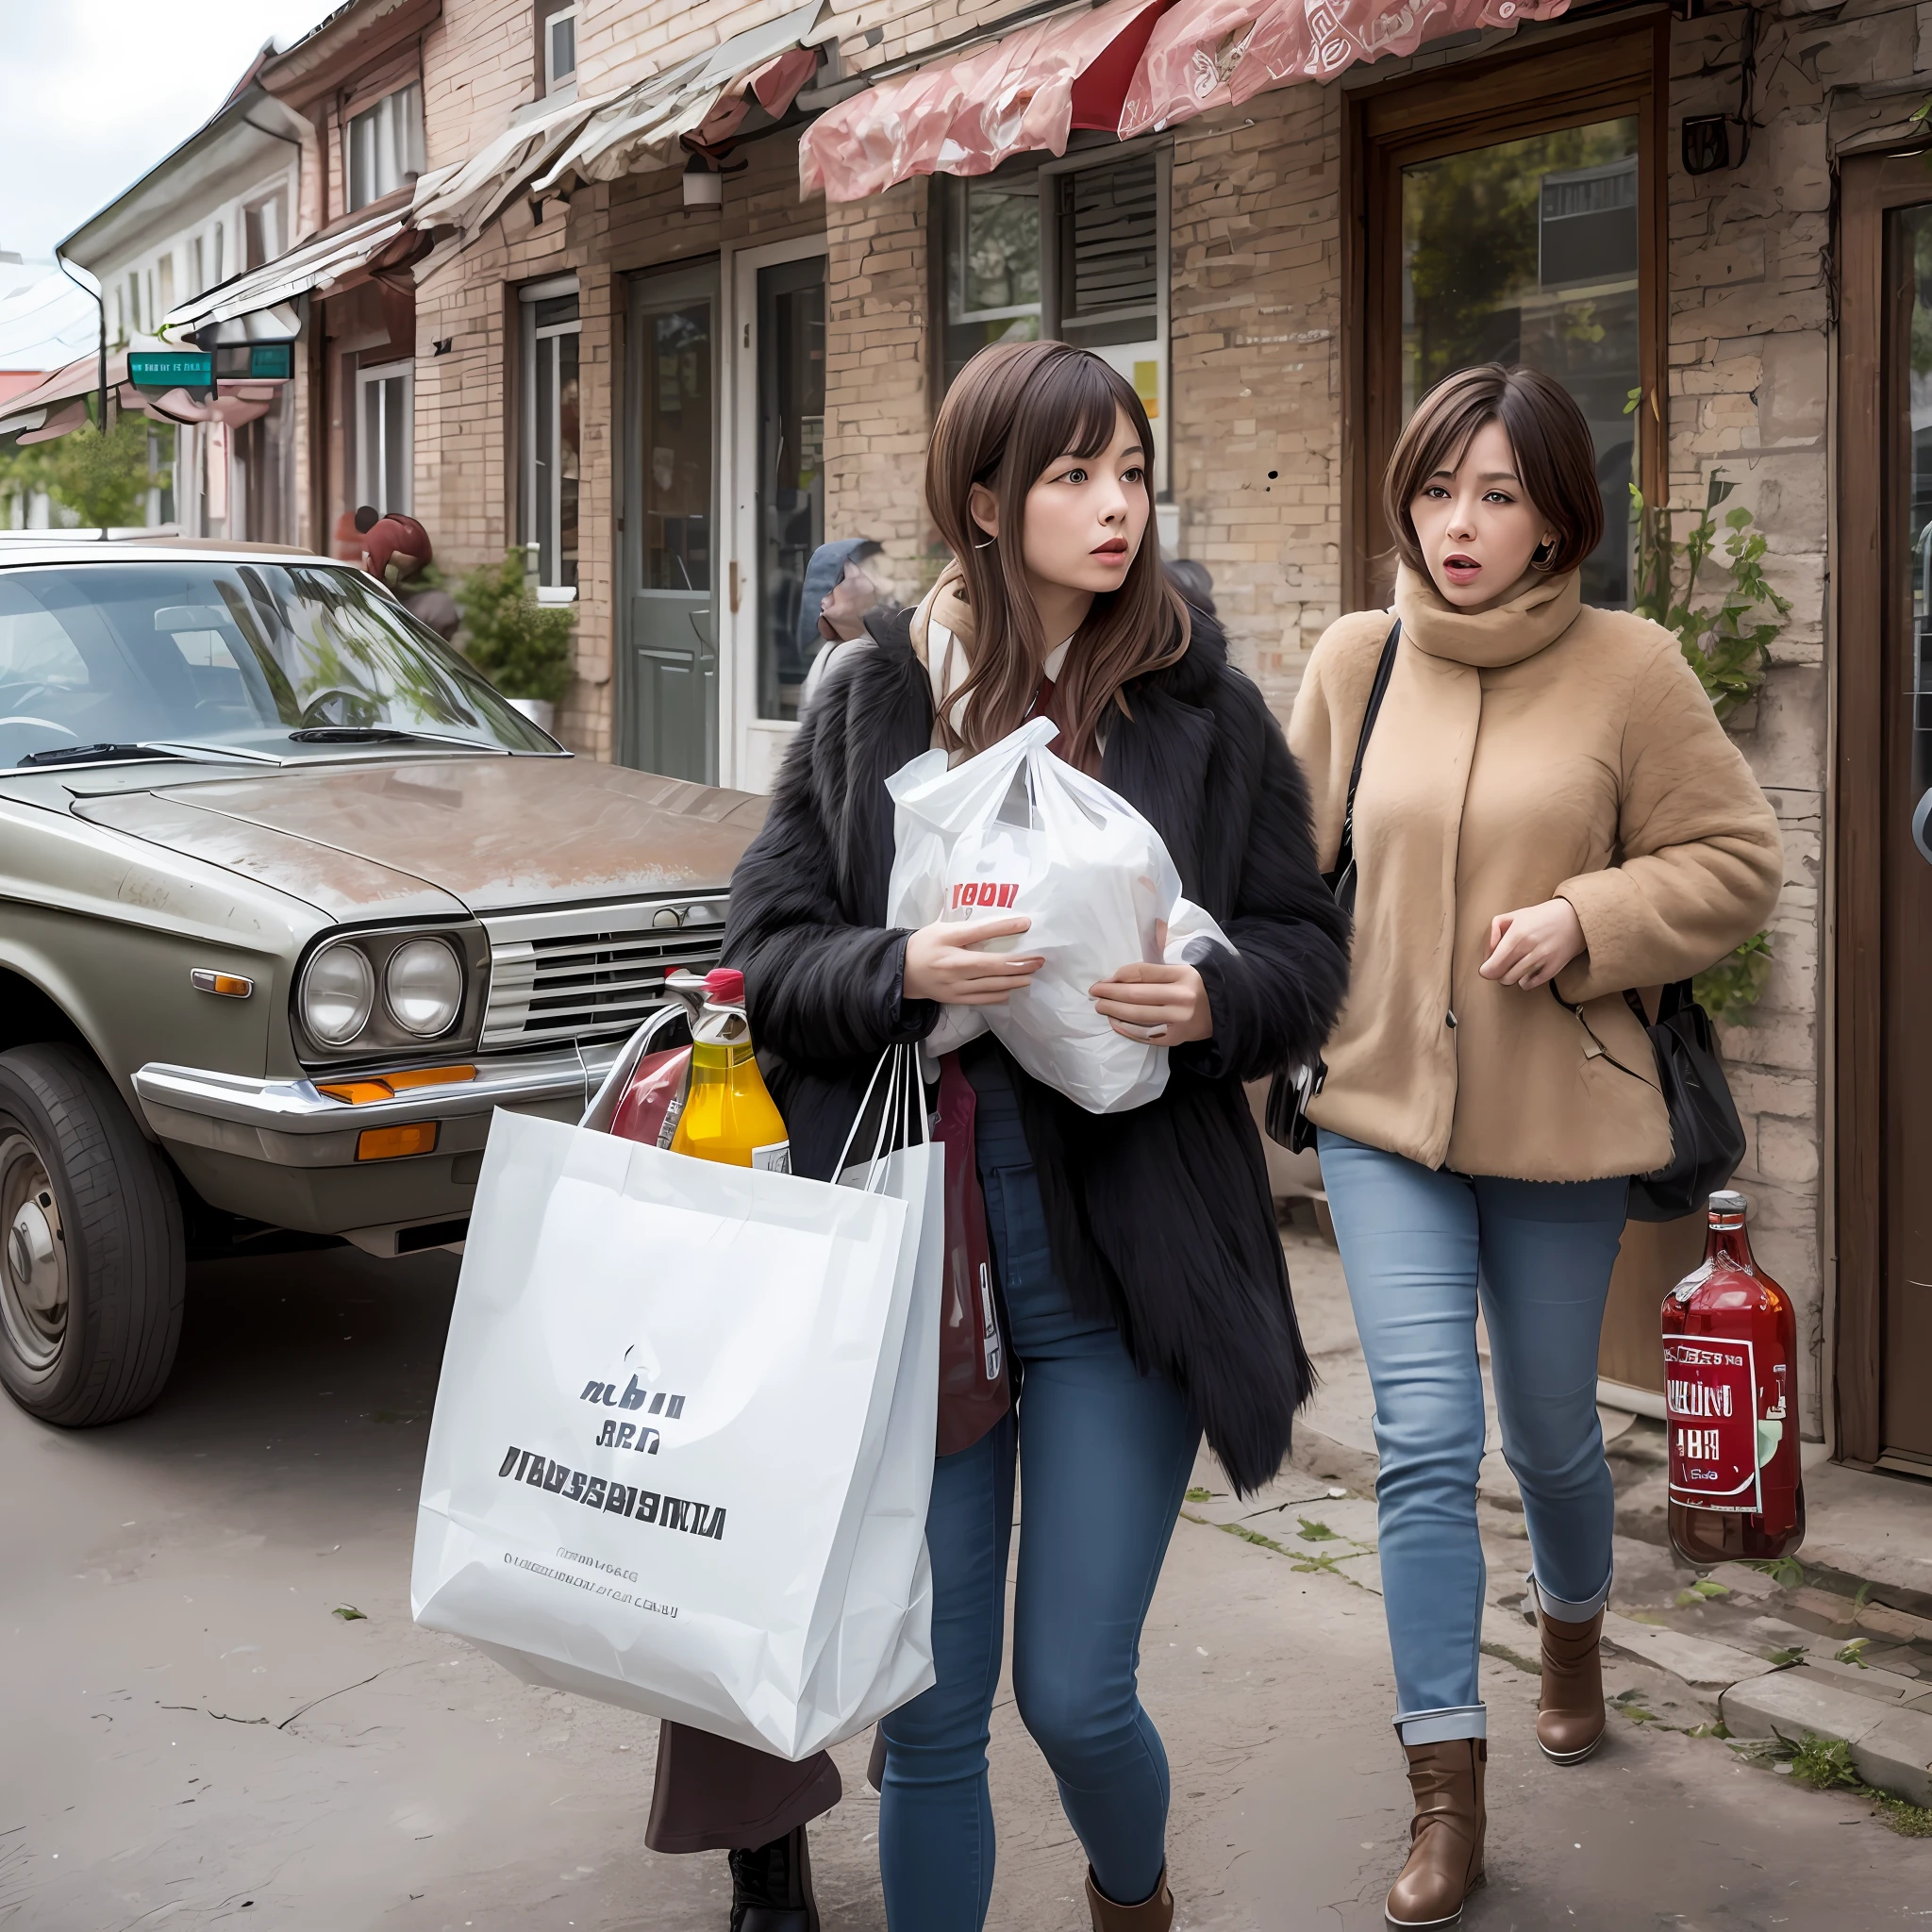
(392, 1143)
(387, 1086)
(229, 985)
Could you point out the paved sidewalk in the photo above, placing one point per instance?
(195, 1738)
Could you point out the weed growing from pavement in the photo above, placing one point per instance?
(1305, 1562)
(1502, 1654)
(1825, 1764)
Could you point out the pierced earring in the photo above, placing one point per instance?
(988, 544)
(1540, 557)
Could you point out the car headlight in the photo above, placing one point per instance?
(337, 993)
(424, 986)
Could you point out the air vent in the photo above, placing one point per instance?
(591, 973)
(1109, 251)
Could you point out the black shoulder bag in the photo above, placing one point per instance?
(1285, 1115)
(1706, 1136)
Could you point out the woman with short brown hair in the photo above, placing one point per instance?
(1547, 804)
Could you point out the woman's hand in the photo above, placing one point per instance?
(942, 964)
(1530, 947)
(1165, 1005)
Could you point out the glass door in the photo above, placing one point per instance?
(1906, 1322)
(670, 628)
(790, 485)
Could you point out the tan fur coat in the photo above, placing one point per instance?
(1544, 749)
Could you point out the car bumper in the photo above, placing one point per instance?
(291, 1124)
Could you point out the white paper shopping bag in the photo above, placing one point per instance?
(681, 1456)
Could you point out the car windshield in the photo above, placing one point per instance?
(231, 656)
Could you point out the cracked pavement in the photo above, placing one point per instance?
(200, 1733)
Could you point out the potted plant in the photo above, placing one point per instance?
(523, 647)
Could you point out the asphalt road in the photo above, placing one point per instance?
(195, 1735)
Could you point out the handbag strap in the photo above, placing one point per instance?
(1344, 851)
(1575, 1010)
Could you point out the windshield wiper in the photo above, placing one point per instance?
(384, 734)
(94, 754)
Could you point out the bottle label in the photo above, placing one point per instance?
(1710, 1391)
(776, 1158)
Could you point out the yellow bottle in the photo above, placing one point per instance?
(728, 1114)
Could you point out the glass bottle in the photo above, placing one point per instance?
(728, 1115)
(1731, 1392)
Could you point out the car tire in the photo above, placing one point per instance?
(93, 1265)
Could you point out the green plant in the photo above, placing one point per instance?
(1730, 645)
(1786, 1572)
(1729, 989)
(1854, 1653)
(103, 480)
(1822, 1763)
(1314, 1532)
(522, 646)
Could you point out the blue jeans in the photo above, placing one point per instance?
(1419, 1248)
(1107, 1453)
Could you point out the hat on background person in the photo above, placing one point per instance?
(1192, 581)
(831, 565)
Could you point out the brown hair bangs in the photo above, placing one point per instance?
(1556, 456)
(1012, 411)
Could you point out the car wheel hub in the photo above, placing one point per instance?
(33, 1254)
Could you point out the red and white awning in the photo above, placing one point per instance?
(964, 115)
(1130, 67)
(1208, 53)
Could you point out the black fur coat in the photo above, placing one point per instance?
(1159, 1216)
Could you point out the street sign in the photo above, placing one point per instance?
(171, 368)
(272, 361)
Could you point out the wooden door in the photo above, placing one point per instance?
(1884, 774)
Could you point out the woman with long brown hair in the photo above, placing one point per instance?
(1139, 1273)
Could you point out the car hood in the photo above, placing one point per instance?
(406, 838)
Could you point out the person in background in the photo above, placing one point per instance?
(1549, 813)
(839, 590)
(1192, 581)
(351, 527)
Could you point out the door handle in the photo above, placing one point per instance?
(733, 587)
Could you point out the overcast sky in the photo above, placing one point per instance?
(94, 92)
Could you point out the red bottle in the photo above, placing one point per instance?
(1731, 1390)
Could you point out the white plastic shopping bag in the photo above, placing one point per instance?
(1018, 830)
(683, 1441)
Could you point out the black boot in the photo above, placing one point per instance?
(771, 1887)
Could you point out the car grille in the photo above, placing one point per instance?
(591, 973)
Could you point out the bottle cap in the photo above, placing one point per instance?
(724, 985)
(1728, 1202)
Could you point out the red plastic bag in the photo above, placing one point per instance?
(975, 1391)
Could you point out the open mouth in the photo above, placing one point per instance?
(1459, 569)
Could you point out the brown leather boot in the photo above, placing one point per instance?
(1154, 1914)
(1570, 1713)
(1445, 1840)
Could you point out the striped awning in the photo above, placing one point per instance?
(965, 114)
(1131, 67)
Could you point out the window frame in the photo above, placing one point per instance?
(945, 211)
(367, 375)
(1556, 83)
(532, 335)
(555, 85)
(409, 140)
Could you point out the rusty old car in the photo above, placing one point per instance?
(291, 899)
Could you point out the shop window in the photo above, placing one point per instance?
(1073, 249)
(550, 431)
(992, 263)
(1508, 218)
(385, 145)
(385, 411)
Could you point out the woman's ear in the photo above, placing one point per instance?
(984, 508)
